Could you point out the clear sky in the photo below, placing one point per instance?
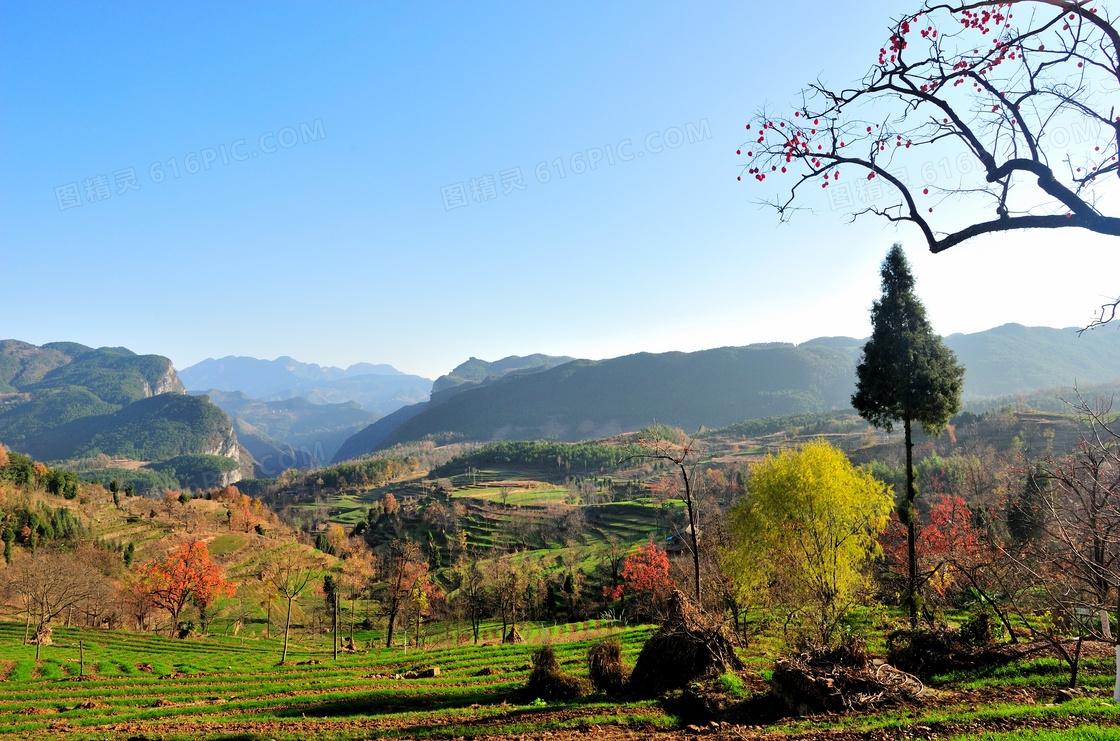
(298, 175)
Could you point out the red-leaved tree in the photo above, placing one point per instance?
(946, 545)
(188, 575)
(645, 575)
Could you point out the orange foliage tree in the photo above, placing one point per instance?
(188, 575)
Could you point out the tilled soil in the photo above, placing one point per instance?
(374, 727)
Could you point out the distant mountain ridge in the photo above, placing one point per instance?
(292, 433)
(585, 399)
(475, 372)
(1013, 358)
(470, 374)
(379, 388)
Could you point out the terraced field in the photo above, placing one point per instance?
(145, 686)
(132, 680)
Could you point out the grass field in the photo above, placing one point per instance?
(143, 685)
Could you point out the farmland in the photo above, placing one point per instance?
(147, 686)
(563, 534)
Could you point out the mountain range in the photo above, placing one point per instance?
(66, 401)
(378, 388)
(583, 399)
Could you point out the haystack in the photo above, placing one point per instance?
(684, 648)
(833, 680)
(605, 667)
(549, 682)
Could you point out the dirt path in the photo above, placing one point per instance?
(446, 727)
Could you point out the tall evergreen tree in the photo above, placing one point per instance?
(906, 375)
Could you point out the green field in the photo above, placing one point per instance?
(142, 685)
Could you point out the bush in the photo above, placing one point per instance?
(981, 629)
(731, 684)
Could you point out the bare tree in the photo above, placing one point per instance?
(50, 583)
(399, 569)
(290, 573)
(1082, 521)
(472, 596)
(358, 573)
(1009, 104)
(682, 451)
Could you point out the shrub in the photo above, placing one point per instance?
(981, 629)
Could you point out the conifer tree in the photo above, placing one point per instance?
(907, 375)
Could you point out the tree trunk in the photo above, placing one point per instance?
(1075, 664)
(268, 622)
(334, 628)
(911, 530)
(1116, 685)
(353, 609)
(287, 625)
(695, 535)
(394, 607)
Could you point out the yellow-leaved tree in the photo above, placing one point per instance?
(804, 535)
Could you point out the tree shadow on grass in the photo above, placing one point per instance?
(389, 703)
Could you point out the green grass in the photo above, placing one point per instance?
(134, 672)
(185, 689)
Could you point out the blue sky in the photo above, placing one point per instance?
(319, 149)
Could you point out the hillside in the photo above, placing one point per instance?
(475, 372)
(1013, 359)
(377, 388)
(584, 399)
(371, 437)
(114, 374)
(65, 401)
(315, 429)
